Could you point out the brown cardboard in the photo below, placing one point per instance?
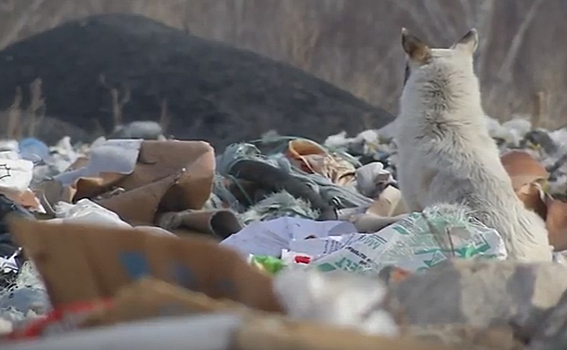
(52, 257)
(219, 223)
(169, 176)
(84, 262)
(89, 187)
(160, 159)
(149, 298)
(277, 333)
(140, 205)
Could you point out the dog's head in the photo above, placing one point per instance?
(427, 62)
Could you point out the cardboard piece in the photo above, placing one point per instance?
(90, 187)
(219, 223)
(169, 176)
(278, 333)
(160, 159)
(82, 262)
(140, 205)
(150, 298)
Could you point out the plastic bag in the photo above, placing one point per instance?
(420, 241)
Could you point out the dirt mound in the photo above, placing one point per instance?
(211, 91)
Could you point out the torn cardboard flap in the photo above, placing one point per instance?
(150, 298)
(140, 205)
(84, 262)
(160, 159)
(170, 176)
(89, 187)
(191, 165)
(195, 184)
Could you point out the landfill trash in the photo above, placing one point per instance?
(276, 205)
(266, 263)
(434, 277)
(15, 174)
(552, 332)
(10, 254)
(153, 298)
(313, 158)
(556, 223)
(223, 331)
(372, 178)
(418, 243)
(88, 262)
(339, 299)
(291, 259)
(33, 150)
(530, 181)
(523, 168)
(270, 237)
(218, 223)
(212, 331)
(113, 156)
(25, 299)
(274, 172)
(482, 293)
(86, 211)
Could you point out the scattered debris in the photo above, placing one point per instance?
(281, 229)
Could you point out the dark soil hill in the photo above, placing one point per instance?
(213, 92)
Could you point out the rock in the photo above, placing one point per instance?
(483, 293)
(553, 332)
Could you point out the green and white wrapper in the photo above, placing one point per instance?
(419, 242)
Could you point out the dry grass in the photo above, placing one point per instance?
(17, 122)
(355, 44)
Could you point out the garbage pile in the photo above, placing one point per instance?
(279, 242)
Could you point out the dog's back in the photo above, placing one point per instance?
(446, 153)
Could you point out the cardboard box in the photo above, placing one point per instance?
(85, 262)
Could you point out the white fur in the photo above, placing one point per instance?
(447, 156)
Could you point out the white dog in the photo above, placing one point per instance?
(445, 152)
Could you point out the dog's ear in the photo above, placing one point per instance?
(468, 43)
(416, 49)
